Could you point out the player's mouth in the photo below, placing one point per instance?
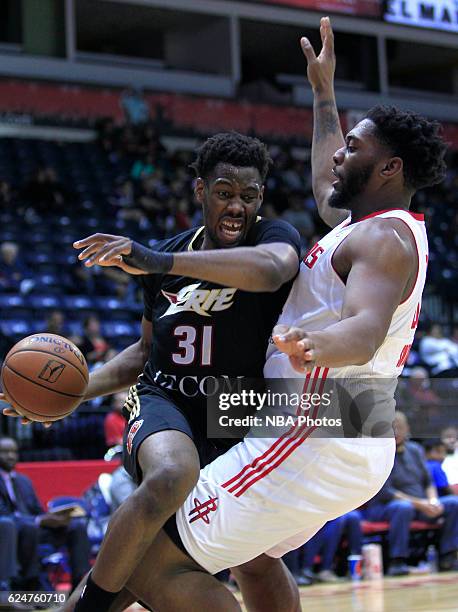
(231, 230)
(338, 180)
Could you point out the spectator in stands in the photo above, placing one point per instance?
(121, 487)
(324, 543)
(408, 494)
(93, 344)
(439, 353)
(6, 197)
(419, 389)
(435, 454)
(115, 423)
(44, 192)
(143, 168)
(449, 437)
(24, 520)
(55, 323)
(15, 277)
(135, 107)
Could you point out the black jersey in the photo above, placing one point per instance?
(203, 331)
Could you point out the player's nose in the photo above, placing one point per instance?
(338, 156)
(235, 206)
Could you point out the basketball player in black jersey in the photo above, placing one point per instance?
(212, 297)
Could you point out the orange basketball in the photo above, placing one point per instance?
(44, 377)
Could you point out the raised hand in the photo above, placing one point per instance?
(320, 70)
(106, 250)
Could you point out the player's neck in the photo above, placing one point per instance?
(372, 206)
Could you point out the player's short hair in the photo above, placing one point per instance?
(416, 140)
(232, 148)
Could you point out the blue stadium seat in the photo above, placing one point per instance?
(78, 302)
(16, 327)
(11, 301)
(45, 301)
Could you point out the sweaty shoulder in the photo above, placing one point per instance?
(266, 231)
(382, 236)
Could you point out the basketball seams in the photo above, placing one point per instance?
(45, 416)
(26, 350)
(6, 366)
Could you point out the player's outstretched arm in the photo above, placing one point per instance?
(264, 267)
(327, 133)
(116, 375)
(381, 268)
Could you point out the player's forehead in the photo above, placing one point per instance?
(242, 176)
(364, 131)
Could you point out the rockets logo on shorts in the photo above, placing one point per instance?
(201, 301)
(201, 511)
(131, 435)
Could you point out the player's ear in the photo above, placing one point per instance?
(199, 189)
(392, 167)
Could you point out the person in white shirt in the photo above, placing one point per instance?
(439, 353)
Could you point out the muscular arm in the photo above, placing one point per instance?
(121, 371)
(327, 133)
(380, 264)
(261, 268)
(264, 267)
(327, 139)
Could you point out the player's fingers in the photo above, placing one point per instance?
(111, 248)
(307, 50)
(83, 242)
(328, 36)
(93, 248)
(293, 334)
(123, 248)
(298, 364)
(10, 412)
(280, 329)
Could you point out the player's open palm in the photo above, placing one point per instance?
(321, 68)
(106, 250)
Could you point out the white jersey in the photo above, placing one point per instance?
(270, 494)
(316, 300)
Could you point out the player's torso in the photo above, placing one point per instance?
(317, 296)
(203, 332)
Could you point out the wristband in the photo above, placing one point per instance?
(152, 262)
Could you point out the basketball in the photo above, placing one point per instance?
(44, 377)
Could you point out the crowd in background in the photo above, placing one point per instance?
(150, 196)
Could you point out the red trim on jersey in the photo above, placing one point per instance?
(416, 216)
(279, 456)
(418, 263)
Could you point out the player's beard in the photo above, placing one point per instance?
(351, 187)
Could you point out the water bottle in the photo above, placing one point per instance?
(431, 558)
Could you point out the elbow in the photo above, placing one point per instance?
(272, 279)
(367, 351)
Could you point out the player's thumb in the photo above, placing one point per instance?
(279, 330)
(307, 49)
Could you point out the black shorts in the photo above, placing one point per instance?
(148, 410)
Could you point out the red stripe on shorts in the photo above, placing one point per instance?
(289, 444)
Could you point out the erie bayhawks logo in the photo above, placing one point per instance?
(201, 301)
(201, 511)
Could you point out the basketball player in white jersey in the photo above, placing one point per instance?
(351, 315)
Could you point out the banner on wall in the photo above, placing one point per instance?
(437, 14)
(360, 8)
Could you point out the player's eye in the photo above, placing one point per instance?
(249, 199)
(351, 149)
(224, 195)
